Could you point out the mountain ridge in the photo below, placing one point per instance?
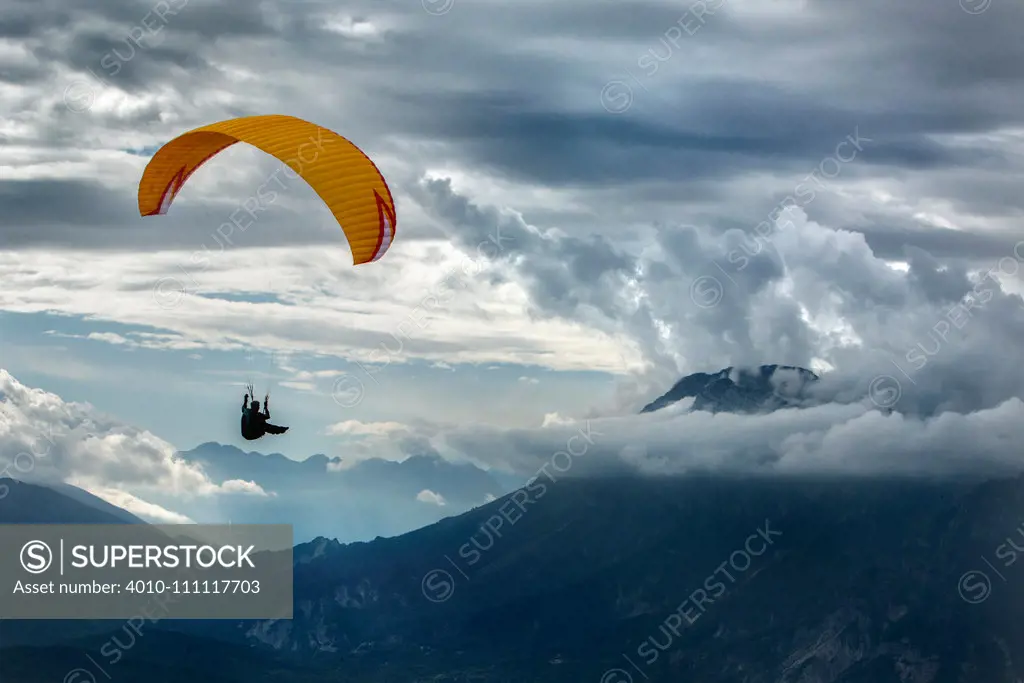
(320, 497)
(739, 389)
(862, 582)
(574, 579)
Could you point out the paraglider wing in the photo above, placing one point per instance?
(338, 171)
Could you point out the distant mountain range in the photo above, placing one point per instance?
(625, 580)
(765, 581)
(371, 498)
(459, 483)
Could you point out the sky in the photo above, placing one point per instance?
(594, 199)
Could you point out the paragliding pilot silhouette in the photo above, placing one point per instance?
(254, 422)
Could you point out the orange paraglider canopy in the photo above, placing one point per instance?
(338, 171)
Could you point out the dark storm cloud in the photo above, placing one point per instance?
(941, 42)
(30, 202)
(947, 336)
(514, 89)
(566, 276)
(601, 21)
(716, 127)
(726, 130)
(137, 42)
(22, 20)
(587, 280)
(41, 18)
(109, 219)
(21, 74)
(562, 149)
(112, 58)
(61, 129)
(889, 238)
(20, 25)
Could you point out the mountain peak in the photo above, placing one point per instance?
(222, 449)
(739, 389)
(215, 448)
(321, 461)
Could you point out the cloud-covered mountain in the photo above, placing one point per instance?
(95, 502)
(742, 390)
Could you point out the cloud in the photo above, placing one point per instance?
(244, 487)
(149, 512)
(714, 136)
(490, 148)
(357, 428)
(428, 496)
(391, 441)
(370, 441)
(433, 313)
(833, 439)
(45, 438)
(555, 419)
(340, 465)
(300, 386)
